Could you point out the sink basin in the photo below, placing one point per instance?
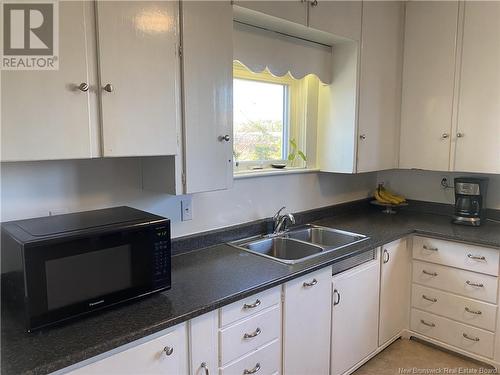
(300, 243)
(280, 248)
(326, 237)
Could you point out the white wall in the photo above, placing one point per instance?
(426, 185)
(35, 188)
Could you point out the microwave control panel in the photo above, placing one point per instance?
(161, 255)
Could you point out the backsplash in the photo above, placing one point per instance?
(426, 185)
(31, 189)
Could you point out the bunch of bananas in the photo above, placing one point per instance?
(383, 195)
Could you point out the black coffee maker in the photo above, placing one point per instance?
(470, 196)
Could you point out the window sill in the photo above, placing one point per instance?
(272, 172)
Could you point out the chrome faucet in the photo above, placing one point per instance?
(280, 221)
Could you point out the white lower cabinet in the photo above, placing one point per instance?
(165, 354)
(203, 347)
(394, 290)
(306, 324)
(354, 316)
(454, 297)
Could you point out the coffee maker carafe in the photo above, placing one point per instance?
(470, 197)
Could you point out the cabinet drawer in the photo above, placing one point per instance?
(469, 257)
(162, 355)
(465, 283)
(266, 361)
(248, 306)
(468, 338)
(249, 334)
(465, 310)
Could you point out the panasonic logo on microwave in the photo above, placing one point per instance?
(92, 304)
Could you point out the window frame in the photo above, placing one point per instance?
(290, 126)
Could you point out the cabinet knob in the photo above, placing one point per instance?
(362, 136)
(226, 138)
(168, 350)
(314, 3)
(445, 136)
(460, 135)
(84, 86)
(108, 88)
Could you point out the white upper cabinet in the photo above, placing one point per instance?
(139, 77)
(207, 28)
(44, 114)
(341, 18)
(428, 84)
(294, 11)
(380, 85)
(478, 128)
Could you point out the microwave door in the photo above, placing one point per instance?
(75, 277)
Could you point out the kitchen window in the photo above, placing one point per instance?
(266, 125)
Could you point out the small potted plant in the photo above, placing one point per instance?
(295, 153)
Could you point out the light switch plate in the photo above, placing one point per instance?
(186, 209)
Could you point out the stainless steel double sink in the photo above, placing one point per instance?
(300, 243)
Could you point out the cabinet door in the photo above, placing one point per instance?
(394, 290)
(166, 354)
(428, 82)
(380, 85)
(478, 147)
(203, 346)
(354, 316)
(44, 113)
(294, 11)
(306, 322)
(207, 45)
(342, 18)
(138, 50)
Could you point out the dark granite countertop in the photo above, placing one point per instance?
(204, 280)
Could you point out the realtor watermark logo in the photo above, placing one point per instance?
(30, 35)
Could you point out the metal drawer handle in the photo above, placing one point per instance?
(477, 312)
(252, 371)
(477, 285)
(255, 333)
(476, 339)
(429, 273)
(430, 248)
(427, 324)
(476, 257)
(312, 283)
(168, 350)
(429, 298)
(386, 256)
(252, 305)
(336, 301)
(205, 367)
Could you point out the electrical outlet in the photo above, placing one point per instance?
(186, 208)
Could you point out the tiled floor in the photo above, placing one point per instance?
(411, 357)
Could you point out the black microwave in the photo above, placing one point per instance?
(59, 267)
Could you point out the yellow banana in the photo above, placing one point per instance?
(380, 199)
(389, 194)
(388, 197)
